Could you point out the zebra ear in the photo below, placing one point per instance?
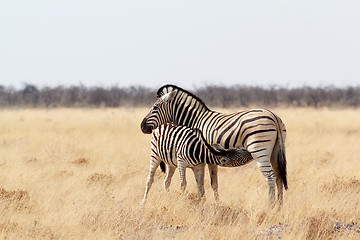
(168, 96)
(218, 147)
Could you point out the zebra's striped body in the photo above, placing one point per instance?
(184, 147)
(259, 131)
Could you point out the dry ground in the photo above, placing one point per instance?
(80, 174)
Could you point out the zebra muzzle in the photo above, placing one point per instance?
(145, 128)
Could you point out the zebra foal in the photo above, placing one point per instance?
(184, 147)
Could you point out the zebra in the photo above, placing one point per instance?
(259, 131)
(184, 147)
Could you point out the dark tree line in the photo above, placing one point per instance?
(213, 96)
(298, 97)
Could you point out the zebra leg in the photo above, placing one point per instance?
(199, 172)
(213, 171)
(169, 173)
(182, 171)
(154, 163)
(266, 169)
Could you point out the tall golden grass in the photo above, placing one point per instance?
(81, 173)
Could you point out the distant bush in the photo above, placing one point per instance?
(299, 97)
(214, 96)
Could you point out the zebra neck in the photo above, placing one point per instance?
(190, 113)
(207, 123)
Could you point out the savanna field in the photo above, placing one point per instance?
(81, 174)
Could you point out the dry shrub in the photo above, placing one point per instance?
(19, 195)
(39, 231)
(225, 215)
(343, 184)
(101, 178)
(14, 230)
(81, 161)
(9, 226)
(319, 227)
(194, 199)
(16, 200)
(109, 219)
(65, 173)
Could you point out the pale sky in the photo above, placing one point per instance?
(286, 43)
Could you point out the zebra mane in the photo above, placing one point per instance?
(170, 87)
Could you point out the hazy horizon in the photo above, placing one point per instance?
(193, 87)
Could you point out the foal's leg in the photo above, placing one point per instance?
(154, 163)
(199, 172)
(213, 171)
(169, 173)
(182, 171)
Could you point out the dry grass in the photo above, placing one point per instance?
(80, 174)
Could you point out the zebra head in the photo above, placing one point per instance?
(232, 157)
(159, 113)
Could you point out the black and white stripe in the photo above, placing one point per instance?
(183, 147)
(259, 131)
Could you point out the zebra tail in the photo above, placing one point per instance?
(281, 158)
(162, 166)
(281, 162)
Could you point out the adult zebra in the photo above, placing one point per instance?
(259, 131)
